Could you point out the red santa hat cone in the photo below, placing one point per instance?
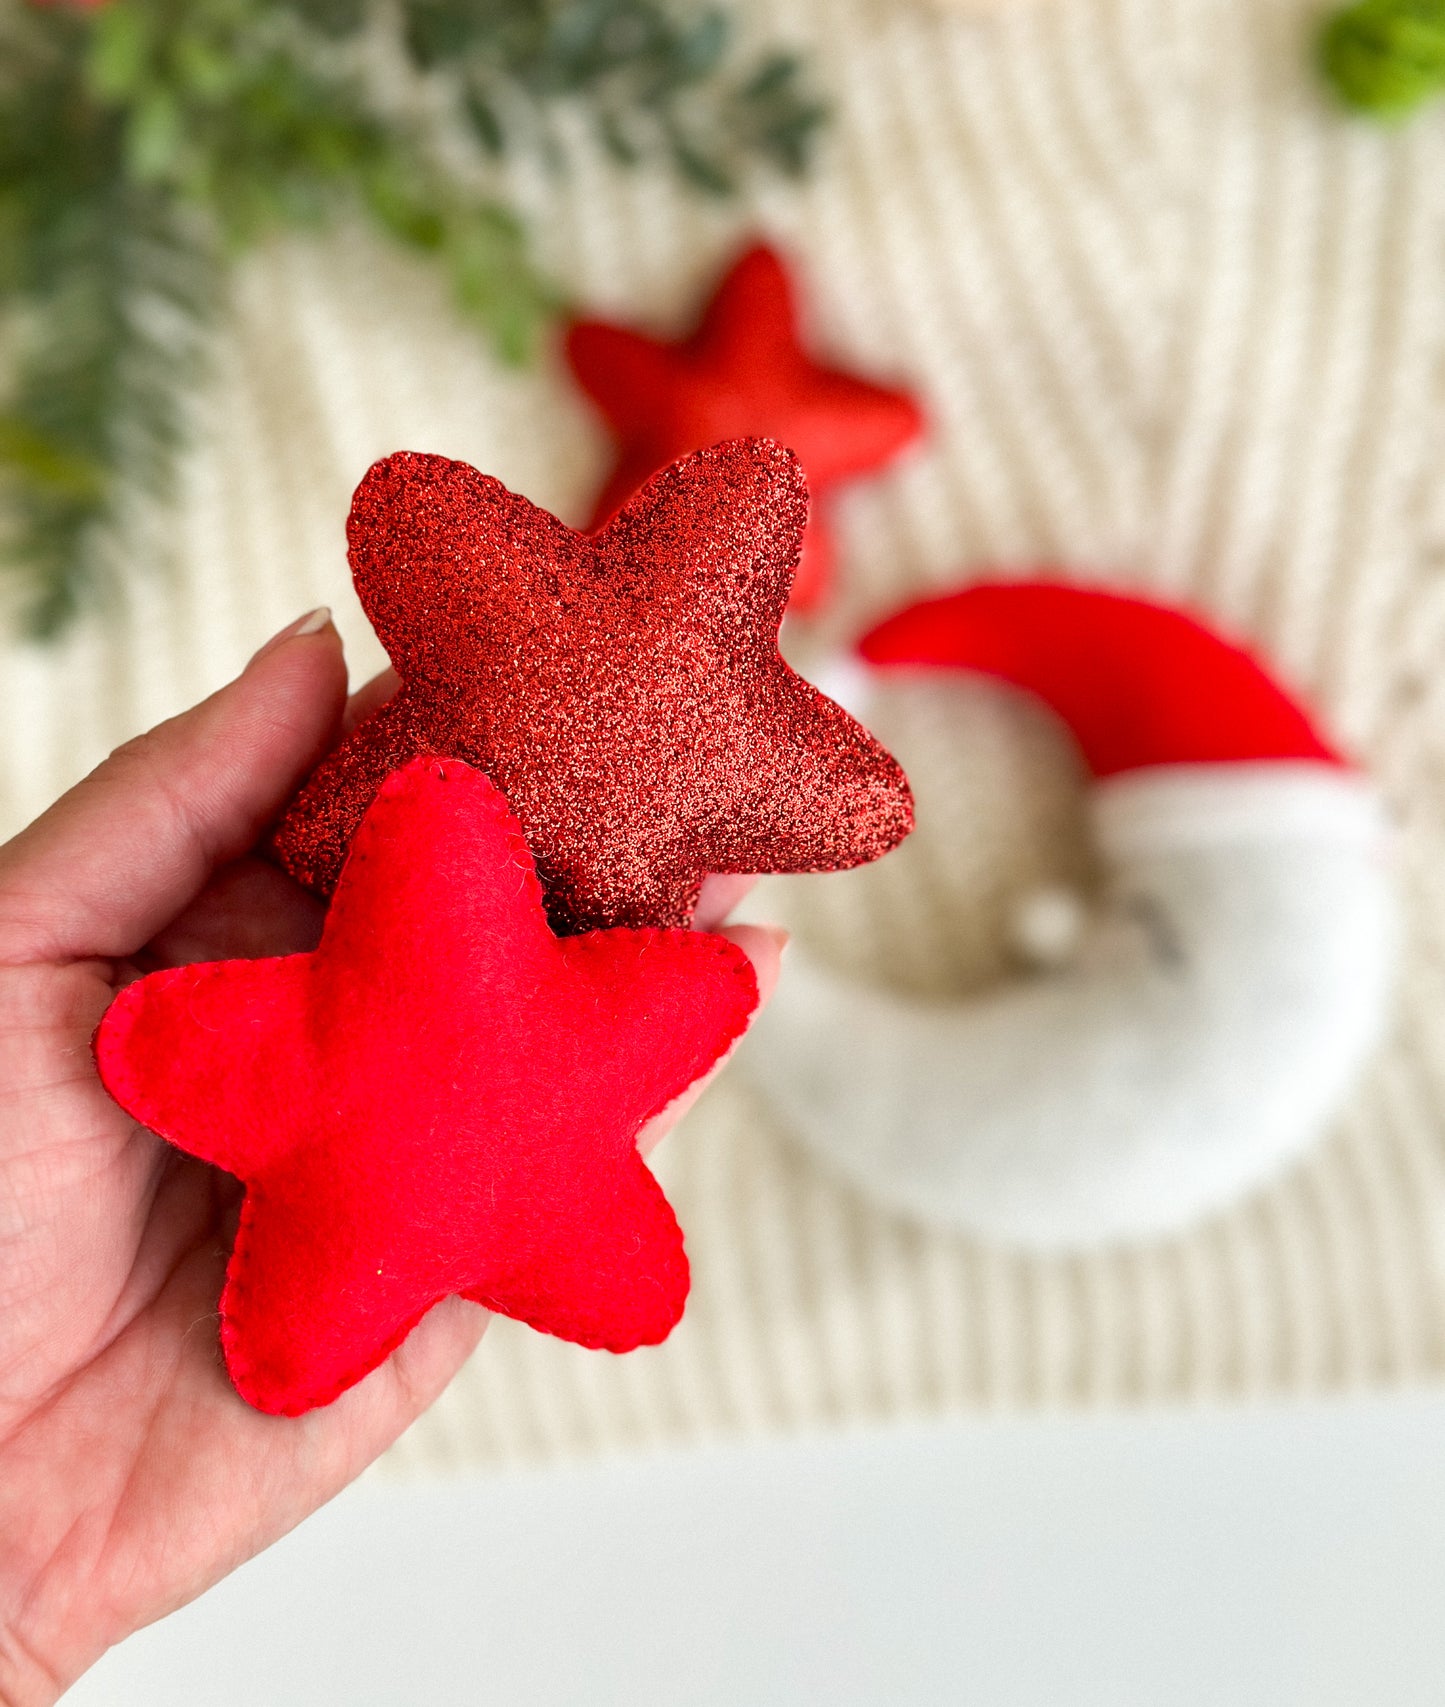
(1138, 683)
(1230, 986)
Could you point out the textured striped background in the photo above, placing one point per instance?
(1176, 322)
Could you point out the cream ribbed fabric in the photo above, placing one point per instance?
(1177, 323)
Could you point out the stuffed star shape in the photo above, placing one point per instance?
(743, 371)
(624, 690)
(443, 1098)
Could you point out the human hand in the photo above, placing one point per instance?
(132, 1476)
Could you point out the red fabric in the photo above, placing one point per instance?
(443, 1098)
(623, 690)
(1138, 683)
(743, 372)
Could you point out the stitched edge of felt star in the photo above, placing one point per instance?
(129, 1089)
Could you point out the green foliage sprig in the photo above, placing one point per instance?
(1386, 57)
(146, 143)
(652, 81)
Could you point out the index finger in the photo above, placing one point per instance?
(125, 851)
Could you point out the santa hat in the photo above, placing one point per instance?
(1234, 978)
(1138, 683)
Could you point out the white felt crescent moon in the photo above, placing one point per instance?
(1221, 1005)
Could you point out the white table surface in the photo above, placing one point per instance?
(1269, 1557)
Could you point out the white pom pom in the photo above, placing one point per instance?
(1048, 926)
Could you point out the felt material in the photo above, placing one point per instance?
(743, 371)
(623, 690)
(1201, 333)
(1234, 978)
(1229, 989)
(1138, 683)
(443, 1098)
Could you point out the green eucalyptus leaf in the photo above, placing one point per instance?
(484, 121)
(41, 462)
(155, 135)
(705, 174)
(109, 354)
(144, 145)
(334, 18)
(701, 49)
(204, 70)
(772, 76)
(495, 282)
(120, 50)
(616, 140)
(440, 32)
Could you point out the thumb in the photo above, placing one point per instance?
(124, 851)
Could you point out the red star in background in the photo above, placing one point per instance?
(623, 690)
(742, 373)
(443, 1098)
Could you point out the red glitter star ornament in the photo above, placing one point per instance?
(623, 690)
(443, 1098)
(743, 371)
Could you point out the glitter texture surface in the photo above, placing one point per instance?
(624, 690)
(743, 371)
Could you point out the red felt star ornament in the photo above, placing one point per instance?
(624, 690)
(443, 1098)
(744, 371)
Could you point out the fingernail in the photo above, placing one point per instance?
(312, 623)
